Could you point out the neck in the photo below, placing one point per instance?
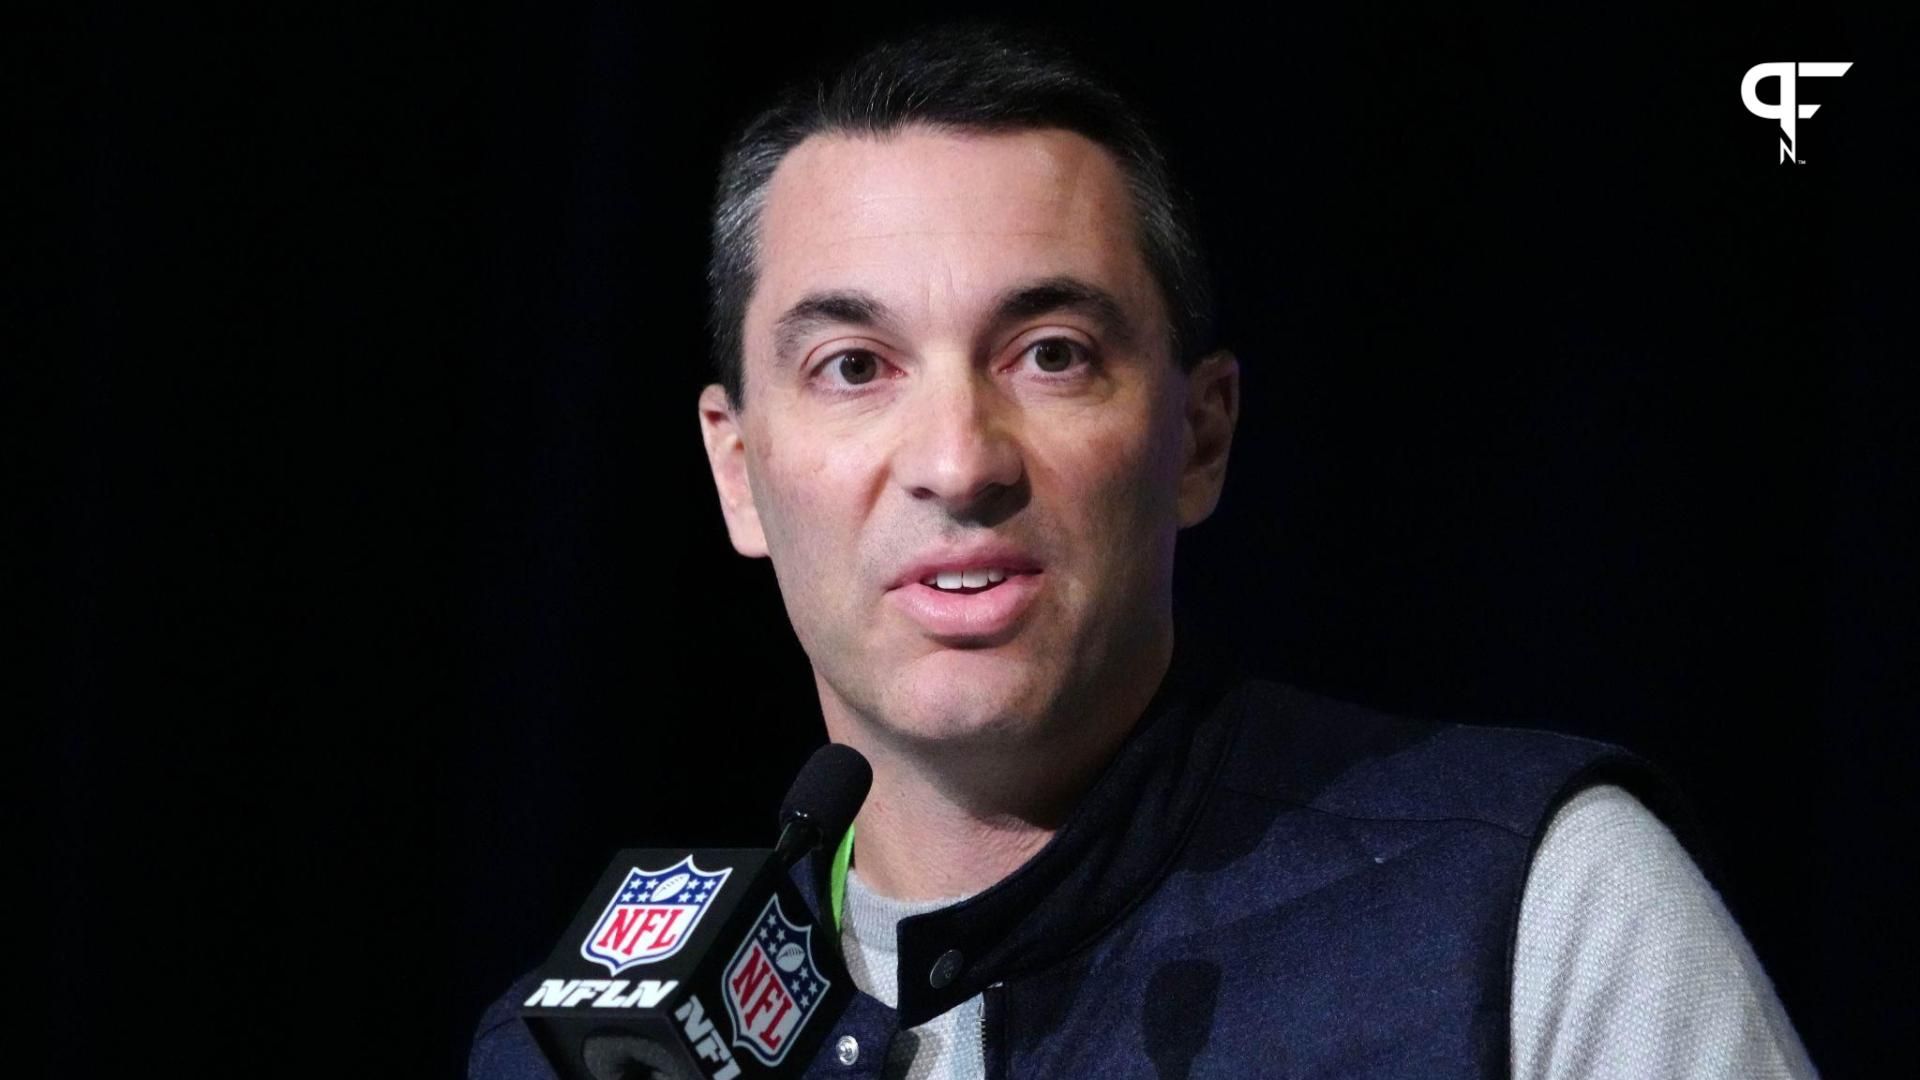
(946, 820)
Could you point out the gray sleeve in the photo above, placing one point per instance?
(1627, 963)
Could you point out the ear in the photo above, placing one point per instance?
(1213, 408)
(727, 457)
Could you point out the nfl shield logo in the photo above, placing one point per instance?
(772, 985)
(652, 915)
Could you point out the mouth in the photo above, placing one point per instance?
(968, 582)
(974, 607)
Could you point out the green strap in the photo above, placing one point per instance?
(837, 881)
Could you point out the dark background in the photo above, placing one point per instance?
(391, 592)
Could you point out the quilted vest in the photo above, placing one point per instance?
(1263, 883)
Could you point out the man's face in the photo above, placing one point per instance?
(956, 371)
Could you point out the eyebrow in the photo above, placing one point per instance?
(849, 307)
(1046, 296)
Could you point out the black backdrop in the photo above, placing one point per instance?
(392, 593)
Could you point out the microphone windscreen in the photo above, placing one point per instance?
(829, 790)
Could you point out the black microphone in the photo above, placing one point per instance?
(704, 964)
(823, 800)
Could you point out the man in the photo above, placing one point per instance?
(967, 403)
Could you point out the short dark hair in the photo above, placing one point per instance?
(961, 76)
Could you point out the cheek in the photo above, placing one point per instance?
(1127, 477)
(794, 511)
(807, 500)
(793, 522)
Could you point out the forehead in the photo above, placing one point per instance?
(934, 221)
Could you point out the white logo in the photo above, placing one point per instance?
(570, 993)
(1788, 110)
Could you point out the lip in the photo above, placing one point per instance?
(982, 618)
(1000, 555)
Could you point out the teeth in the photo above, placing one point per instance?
(965, 579)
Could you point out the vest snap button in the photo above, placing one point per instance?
(946, 969)
(847, 1050)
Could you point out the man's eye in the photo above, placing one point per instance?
(855, 367)
(1055, 355)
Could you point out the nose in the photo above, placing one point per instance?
(958, 447)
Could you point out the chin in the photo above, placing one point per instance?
(963, 697)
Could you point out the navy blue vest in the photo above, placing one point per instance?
(1263, 882)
